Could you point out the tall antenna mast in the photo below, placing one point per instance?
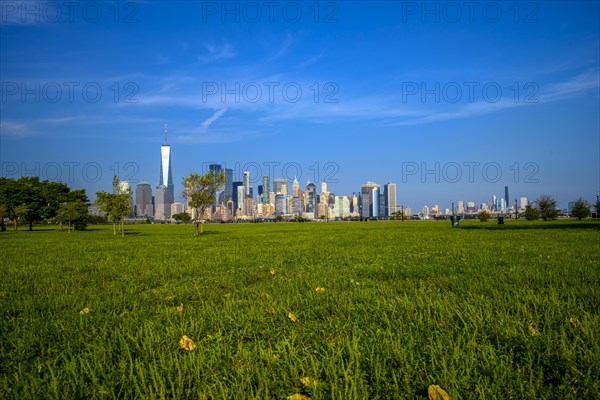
(165, 133)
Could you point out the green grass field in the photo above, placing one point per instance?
(484, 311)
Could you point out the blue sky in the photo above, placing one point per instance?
(450, 101)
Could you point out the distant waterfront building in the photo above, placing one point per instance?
(166, 172)
(164, 200)
(177, 208)
(143, 200)
(523, 202)
(235, 191)
(246, 180)
(280, 186)
(296, 192)
(471, 207)
(216, 169)
(280, 204)
(311, 201)
(228, 188)
(323, 187)
(266, 188)
(506, 198)
(390, 198)
(460, 209)
(369, 201)
(241, 195)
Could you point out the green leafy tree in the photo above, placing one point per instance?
(547, 207)
(484, 215)
(19, 215)
(200, 191)
(3, 214)
(182, 217)
(581, 209)
(74, 213)
(117, 205)
(531, 213)
(398, 215)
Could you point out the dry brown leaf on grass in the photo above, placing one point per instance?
(437, 393)
(186, 343)
(298, 396)
(272, 271)
(179, 308)
(292, 317)
(85, 311)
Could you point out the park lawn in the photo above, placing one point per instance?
(483, 310)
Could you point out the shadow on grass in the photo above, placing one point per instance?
(537, 225)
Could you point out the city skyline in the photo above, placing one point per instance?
(447, 100)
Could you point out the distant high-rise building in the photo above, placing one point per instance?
(266, 189)
(375, 205)
(241, 195)
(166, 172)
(228, 187)
(246, 180)
(280, 186)
(460, 209)
(523, 202)
(369, 201)
(235, 191)
(216, 169)
(506, 198)
(164, 200)
(390, 198)
(280, 204)
(143, 200)
(323, 187)
(177, 208)
(296, 192)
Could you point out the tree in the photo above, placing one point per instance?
(484, 215)
(398, 215)
(183, 217)
(19, 215)
(531, 213)
(3, 214)
(581, 209)
(74, 213)
(200, 190)
(117, 205)
(547, 207)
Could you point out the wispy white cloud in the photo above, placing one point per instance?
(216, 53)
(208, 122)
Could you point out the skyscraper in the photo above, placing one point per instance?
(280, 186)
(228, 189)
(390, 198)
(164, 200)
(216, 169)
(246, 180)
(368, 200)
(296, 192)
(235, 193)
(143, 200)
(506, 199)
(166, 173)
(266, 188)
